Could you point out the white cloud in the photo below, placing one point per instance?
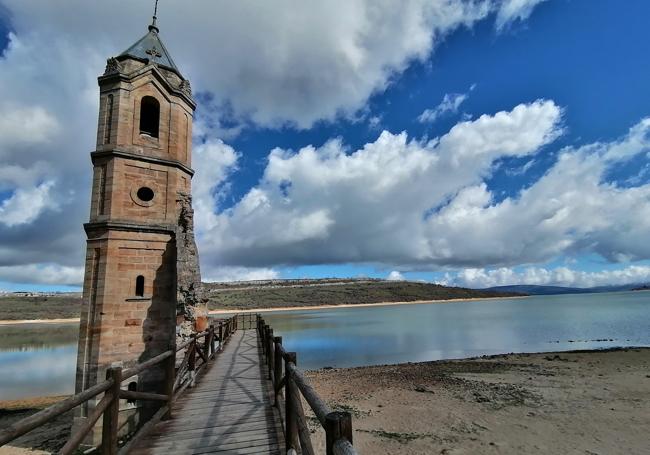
(42, 274)
(273, 62)
(374, 122)
(561, 276)
(213, 161)
(270, 63)
(571, 209)
(21, 125)
(395, 276)
(409, 204)
(221, 274)
(25, 205)
(449, 104)
(514, 10)
(326, 206)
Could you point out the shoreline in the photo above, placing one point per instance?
(38, 321)
(269, 310)
(43, 401)
(350, 305)
(583, 401)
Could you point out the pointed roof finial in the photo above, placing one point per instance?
(153, 26)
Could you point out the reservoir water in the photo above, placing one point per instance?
(39, 359)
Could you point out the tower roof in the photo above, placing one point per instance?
(150, 47)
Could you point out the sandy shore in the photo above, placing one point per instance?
(321, 307)
(588, 403)
(267, 310)
(38, 321)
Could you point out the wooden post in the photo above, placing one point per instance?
(206, 346)
(212, 339)
(170, 380)
(277, 368)
(191, 360)
(291, 430)
(271, 361)
(263, 339)
(220, 336)
(338, 425)
(267, 329)
(111, 415)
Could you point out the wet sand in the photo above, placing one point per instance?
(588, 403)
(46, 439)
(355, 305)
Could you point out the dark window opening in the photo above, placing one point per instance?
(139, 286)
(109, 119)
(101, 204)
(149, 116)
(133, 387)
(145, 194)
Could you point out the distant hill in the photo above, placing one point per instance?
(262, 294)
(297, 293)
(552, 290)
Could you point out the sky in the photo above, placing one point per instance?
(469, 143)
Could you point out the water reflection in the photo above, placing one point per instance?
(37, 360)
(346, 337)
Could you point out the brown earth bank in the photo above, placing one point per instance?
(588, 403)
(46, 439)
(259, 295)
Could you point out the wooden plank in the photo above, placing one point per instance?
(198, 424)
(219, 446)
(232, 409)
(236, 439)
(216, 432)
(268, 450)
(229, 411)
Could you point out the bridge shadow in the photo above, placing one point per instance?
(158, 331)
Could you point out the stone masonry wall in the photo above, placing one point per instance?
(190, 303)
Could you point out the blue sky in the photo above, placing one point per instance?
(301, 169)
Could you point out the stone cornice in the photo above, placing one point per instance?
(137, 157)
(129, 226)
(117, 76)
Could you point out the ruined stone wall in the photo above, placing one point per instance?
(190, 303)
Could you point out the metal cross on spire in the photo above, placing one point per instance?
(153, 25)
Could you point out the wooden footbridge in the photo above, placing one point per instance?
(235, 391)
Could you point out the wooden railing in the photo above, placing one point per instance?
(289, 385)
(176, 380)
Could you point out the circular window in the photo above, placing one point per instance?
(145, 194)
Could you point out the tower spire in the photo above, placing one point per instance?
(153, 26)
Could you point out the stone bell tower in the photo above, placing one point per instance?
(139, 216)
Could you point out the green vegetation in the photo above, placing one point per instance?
(350, 292)
(262, 294)
(14, 307)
